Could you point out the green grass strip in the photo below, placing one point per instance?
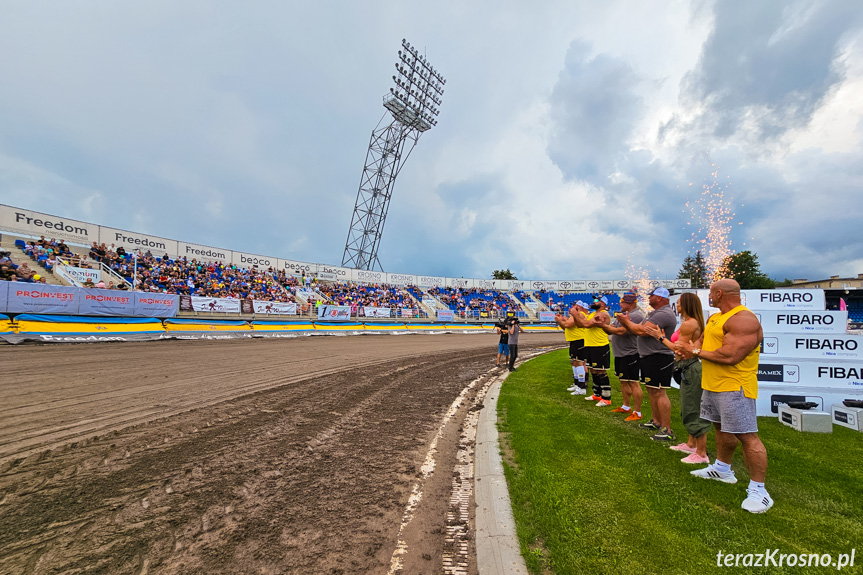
(593, 494)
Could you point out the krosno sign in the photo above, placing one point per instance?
(34, 224)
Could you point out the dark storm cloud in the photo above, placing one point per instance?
(593, 110)
(769, 63)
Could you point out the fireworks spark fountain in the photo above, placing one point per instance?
(713, 214)
(641, 286)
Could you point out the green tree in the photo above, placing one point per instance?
(744, 268)
(695, 269)
(503, 275)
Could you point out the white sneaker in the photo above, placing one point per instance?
(710, 473)
(757, 501)
(578, 391)
(572, 388)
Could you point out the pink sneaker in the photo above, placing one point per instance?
(683, 447)
(695, 458)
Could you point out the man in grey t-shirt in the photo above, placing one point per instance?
(656, 362)
(514, 329)
(624, 345)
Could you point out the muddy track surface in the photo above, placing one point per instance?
(233, 457)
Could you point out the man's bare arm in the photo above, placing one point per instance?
(564, 321)
(742, 335)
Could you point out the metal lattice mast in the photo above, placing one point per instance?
(413, 108)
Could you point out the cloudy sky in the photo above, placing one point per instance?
(574, 141)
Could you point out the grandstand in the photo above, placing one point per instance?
(209, 280)
(562, 301)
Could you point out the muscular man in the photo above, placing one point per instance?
(599, 352)
(624, 344)
(729, 350)
(656, 362)
(574, 325)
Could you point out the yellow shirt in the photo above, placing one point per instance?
(594, 336)
(575, 333)
(720, 377)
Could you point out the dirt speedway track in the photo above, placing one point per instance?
(254, 456)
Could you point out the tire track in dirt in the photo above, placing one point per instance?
(306, 477)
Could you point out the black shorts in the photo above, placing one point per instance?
(576, 349)
(599, 357)
(656, 370)
(626, 367)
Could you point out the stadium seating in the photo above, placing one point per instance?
(562, 301)
(478, 303)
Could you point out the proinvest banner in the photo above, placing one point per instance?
(19, 297)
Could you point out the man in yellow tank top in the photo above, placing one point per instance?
(729, 350)
(573, 325)
(599, 352)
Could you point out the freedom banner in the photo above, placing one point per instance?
(41, 298)
(334, 312)
(274, 307)
(212, 304)
(377, 311)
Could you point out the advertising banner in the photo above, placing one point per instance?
(212, 304)
(156, 305)
(460, 283)
(606, 285)
(80, 275)
(544, 284)
(249, 261)
(782, 299)
(546, 316)
(445, 315)
(430, 303)
(401, 279)
(803, 321)
(430, 281)
(622, 285)
(30, 223)
(203, 253)
(297, 269)
(4, 294)
(275, 307)
(376, 311)
(813, 345)
(771, 395)
(96, 301)
(593, 285)
(334, 312)
(42, 299)
(367, 276)
(825, 373)
(133, 241)
(407, 312)
(338, 274)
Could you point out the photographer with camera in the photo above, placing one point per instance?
(514, 329)
(502, 328)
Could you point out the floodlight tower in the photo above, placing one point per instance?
(413, 104)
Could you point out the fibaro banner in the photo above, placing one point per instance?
(814, 346)
(794, 321)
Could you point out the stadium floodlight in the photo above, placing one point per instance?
(413, 106)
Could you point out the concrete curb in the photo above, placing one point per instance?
(497, 548)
